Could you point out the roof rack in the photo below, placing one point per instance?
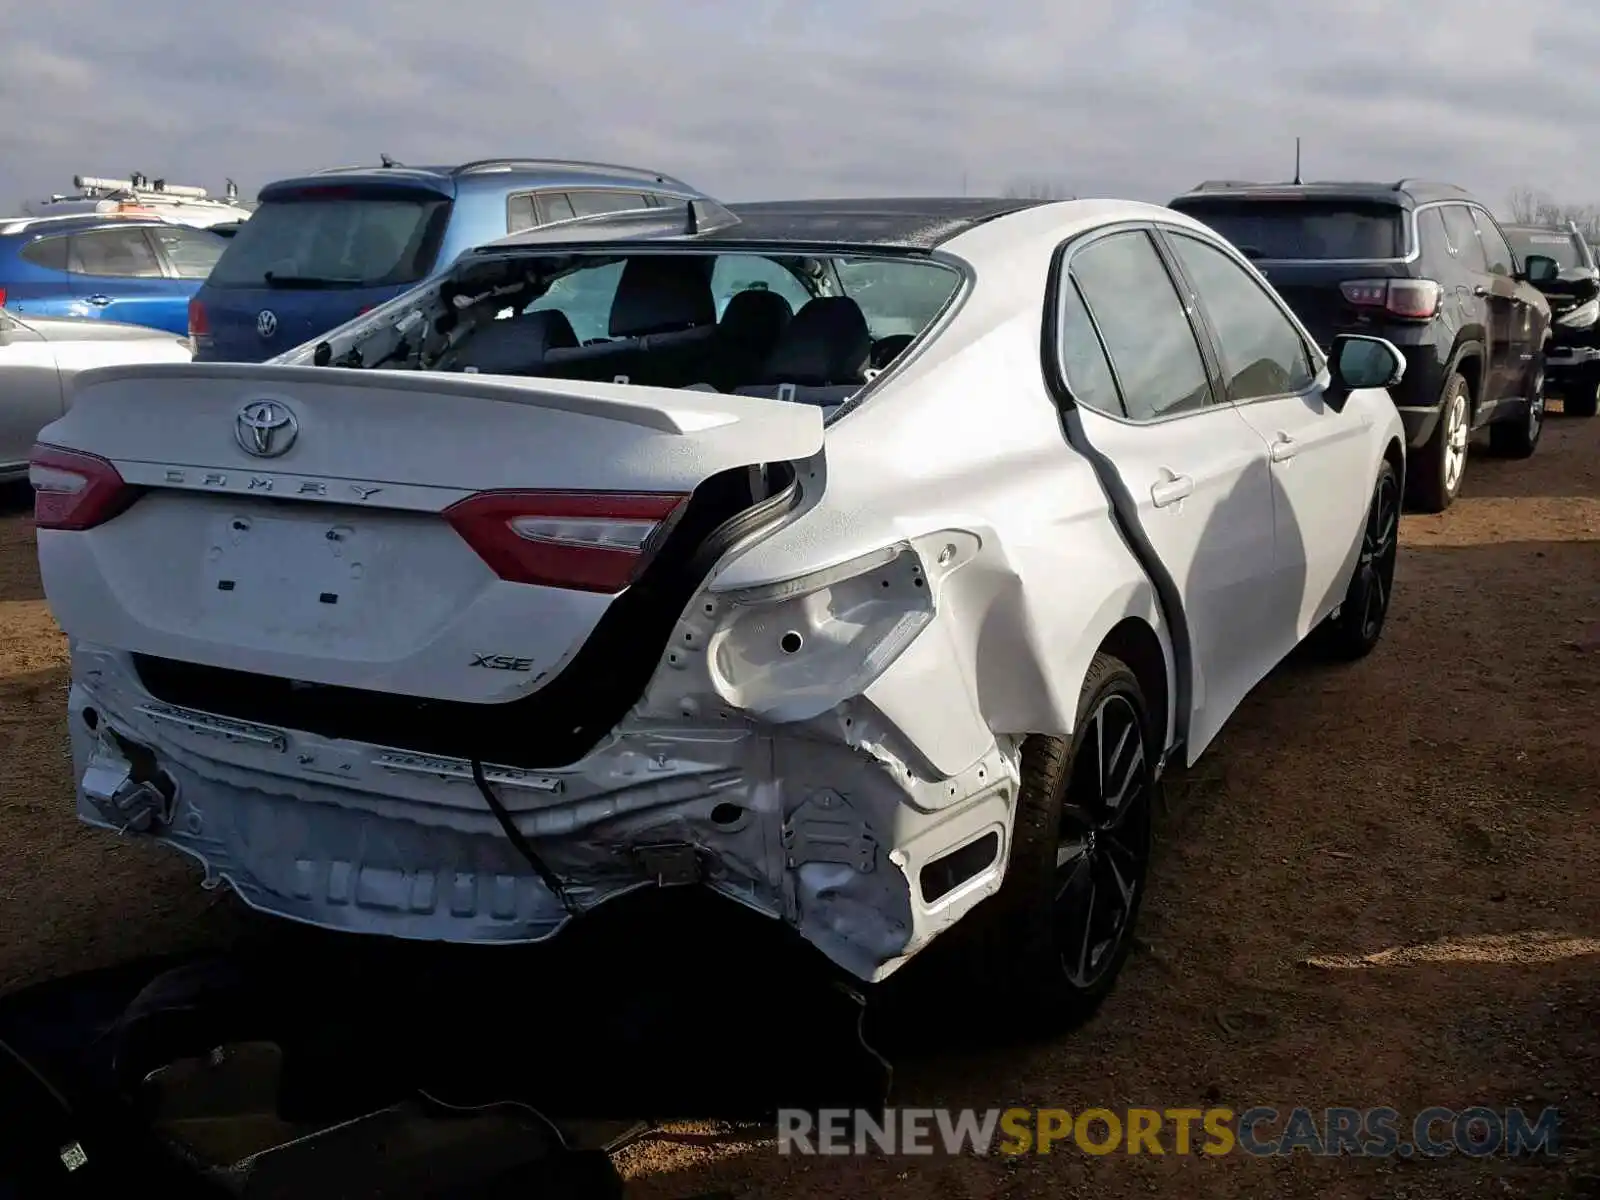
(511, 164)
(695, 219)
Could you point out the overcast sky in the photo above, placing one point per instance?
(766, 98)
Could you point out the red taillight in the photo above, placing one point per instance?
(2, 297)
(1416, 299)
(199, 322)
(586, 541)
(74, 490)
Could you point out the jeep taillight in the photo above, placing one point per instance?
(74, 490)
(199, 325)
(1413, 299)
(585, 541)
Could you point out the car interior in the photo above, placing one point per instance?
(664, 331)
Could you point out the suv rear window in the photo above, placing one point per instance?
(1551, 243)
(350, 242)
(1305, 229)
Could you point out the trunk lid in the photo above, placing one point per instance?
(333, 559)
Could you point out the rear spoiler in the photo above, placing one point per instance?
(693, 219)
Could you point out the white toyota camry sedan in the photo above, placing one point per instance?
(876, 599)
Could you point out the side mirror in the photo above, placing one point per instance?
(1538, 268)
(1358, 362)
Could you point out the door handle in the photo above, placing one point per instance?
(1284, 448)
(1170, 488)
(98, 301)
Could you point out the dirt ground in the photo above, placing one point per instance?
(1442, 794)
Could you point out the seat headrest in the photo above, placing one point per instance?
(828, 342)
(519, 342)
(662, 293)
(756, 316)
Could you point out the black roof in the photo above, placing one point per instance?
(909, 223)
(1405, 192)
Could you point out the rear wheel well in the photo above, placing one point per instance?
(1470, 367)
(1133, 642)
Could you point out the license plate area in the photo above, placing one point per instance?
(288, 573)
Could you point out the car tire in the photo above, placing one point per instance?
(1353, 630)
(1034, 950)
(1441, 464)
(1580, 401)
(1519, 438)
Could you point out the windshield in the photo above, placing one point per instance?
(354, 242)
(728, 321)
(1304, 229)
(1552, 243)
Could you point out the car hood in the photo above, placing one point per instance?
(88, 329)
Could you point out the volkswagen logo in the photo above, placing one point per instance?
(266, 322)
(265, 428)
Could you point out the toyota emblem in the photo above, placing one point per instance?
(266, 322)
(265, 428)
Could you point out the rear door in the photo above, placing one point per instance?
(1523, 330)
(1188, 476)
(312, 258)
(1490, 301)
(118, 276)
(1320, 457)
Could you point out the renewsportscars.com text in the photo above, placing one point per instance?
(1213, 1132)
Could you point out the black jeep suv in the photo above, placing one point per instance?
(1426, 266)
(1572, 364)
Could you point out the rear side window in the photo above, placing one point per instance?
(192, 252)
(1083, 358)
(1463, 234)
(589, 204)
(1147, 333)
(355, 241)
(1305, 229)
(49, 253)
(519, 212)
(556, 207)
(114, 253)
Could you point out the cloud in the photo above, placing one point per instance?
(764, 98)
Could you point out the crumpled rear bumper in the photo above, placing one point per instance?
(816, 824)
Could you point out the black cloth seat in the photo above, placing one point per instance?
(822, 355)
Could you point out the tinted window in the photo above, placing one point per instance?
(50, 253)
(369, 242)
(120, 253)
(1146, 332)
(1436, 248)
(519, 213)
(1262, 352)
(556, 207)
(1083, 358)
(741, 272)
(588, 204)
(1551, 243)
(897, 297)
(585, 296)
(1463, 234)
(1501, 260)
(1305, 229)
(192, 252)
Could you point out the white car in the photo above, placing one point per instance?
(449, 627)
(39, 357)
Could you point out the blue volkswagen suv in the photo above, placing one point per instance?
(321, 249)
(137, 270)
